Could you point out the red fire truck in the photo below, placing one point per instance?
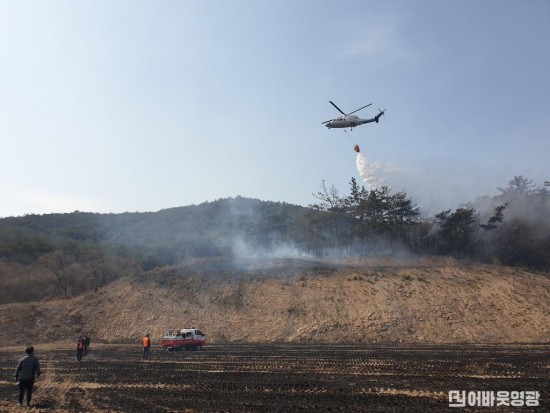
(183, 339)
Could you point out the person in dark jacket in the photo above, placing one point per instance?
(27, 370)
(86, 344)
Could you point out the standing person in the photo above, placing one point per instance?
(80, 347)
(27, 369)
(86, 344)
(146, 346)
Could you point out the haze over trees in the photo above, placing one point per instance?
(61, 255)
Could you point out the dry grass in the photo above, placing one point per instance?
(374, 300)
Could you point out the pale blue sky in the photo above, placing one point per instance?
(113, 106)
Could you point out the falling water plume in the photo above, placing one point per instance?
(369, 171)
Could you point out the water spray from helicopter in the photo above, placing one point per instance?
(370, 172)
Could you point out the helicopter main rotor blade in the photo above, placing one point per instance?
(339, 110)
(357, 110)
(327, 121)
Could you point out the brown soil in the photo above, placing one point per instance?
(278, 378)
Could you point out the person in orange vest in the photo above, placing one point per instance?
(80, 347)
(146, 346)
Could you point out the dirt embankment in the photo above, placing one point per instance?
(357, 302)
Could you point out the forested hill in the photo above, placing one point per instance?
(167, 236)
(512, 227)
(52, 255)
(55, 255)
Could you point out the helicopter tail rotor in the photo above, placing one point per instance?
(382, 113)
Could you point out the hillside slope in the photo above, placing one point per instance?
(302, 302)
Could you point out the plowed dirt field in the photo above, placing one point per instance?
(278, 378)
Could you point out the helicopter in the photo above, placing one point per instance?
(349, 121)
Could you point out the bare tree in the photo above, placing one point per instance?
(58, 264)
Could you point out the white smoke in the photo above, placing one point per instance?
(243, 250)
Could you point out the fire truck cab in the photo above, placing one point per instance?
(183, 339)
